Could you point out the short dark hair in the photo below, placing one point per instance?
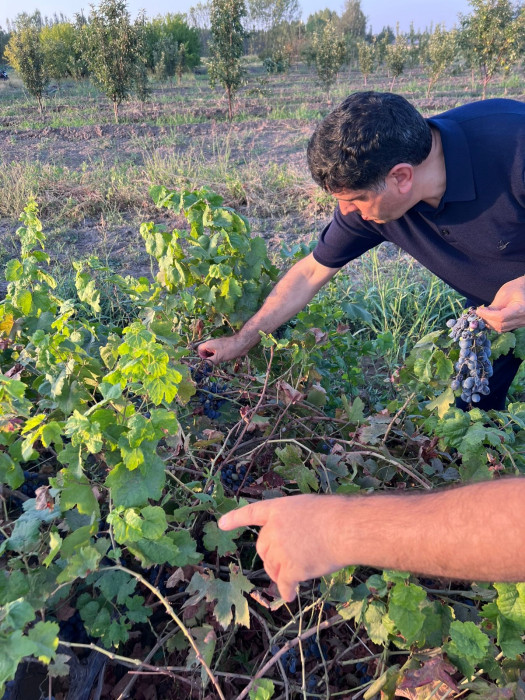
(359, 142)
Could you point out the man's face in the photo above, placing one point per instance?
(380, 207)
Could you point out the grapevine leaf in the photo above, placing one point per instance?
(263, 689)
(519, 349)
(116, 585)
(205, 639)
(222, 541)
(187, 548)
(502, 344)
(137, 611)
(442, 402)
(511, 601)
(405, 609)
(10, 472)
(155, 551)
(44, 636)
(453, 426)
(509, 637)
(373, 620)
(59, 666)
(295, 469)
(13, 585)
(83, 562)
(16, 614)
(467, 647)
(77, 492)
(13, 648)
(443, 367)
(229, 594)
(133, 488)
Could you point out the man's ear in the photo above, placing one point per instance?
(403, 176)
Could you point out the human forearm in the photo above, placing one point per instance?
(291, 294)
(472, 532)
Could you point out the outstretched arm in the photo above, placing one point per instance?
(290, 295)
(472, 532)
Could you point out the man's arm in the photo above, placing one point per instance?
(507, 310)
(473, 532)
(290, 295)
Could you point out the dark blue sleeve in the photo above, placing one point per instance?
(344, 239)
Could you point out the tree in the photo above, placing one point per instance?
(491, 35)
(226, 46)
(199, 19)
(318, 20)
(113, 49)
(61, 54)
(330, 54)
(441, 51)
(171, 45)
(4, 40)
(353, 20)
(366, 57)
(396, 57)
(25, 53)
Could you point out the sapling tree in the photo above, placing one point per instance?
(226, 47)
(113, 50)
(492, 35)
(366, 58)
(329, 48)
(396, 57)
(25, 53)
(441, 51)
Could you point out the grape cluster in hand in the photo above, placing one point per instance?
(473, 366)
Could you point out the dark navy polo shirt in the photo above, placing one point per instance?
(475, 239)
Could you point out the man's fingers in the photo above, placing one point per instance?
(252, 514)
(287, 589)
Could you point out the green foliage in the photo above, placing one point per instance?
(172, 47)
(330, 53)
(397, 56)
(226, 47)
(229, 272)
(491, 37)
(62, 57)
(109, 421)
(114, 51)
(441, 51)
(26, 54)
(366, 57)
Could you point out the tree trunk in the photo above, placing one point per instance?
(230, 109)
(115, 111)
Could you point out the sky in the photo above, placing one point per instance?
(379, 12)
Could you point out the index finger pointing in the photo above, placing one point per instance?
(252, 514)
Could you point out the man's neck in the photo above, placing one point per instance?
(431, 173)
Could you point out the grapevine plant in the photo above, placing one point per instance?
(120, 449)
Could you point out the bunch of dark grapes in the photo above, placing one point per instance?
(473, 366)
(212, 401)
(209, 393)
(288, 659)
(32, 482)
(232, 477)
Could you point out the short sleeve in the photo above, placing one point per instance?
(344, 239)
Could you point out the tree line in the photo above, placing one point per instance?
(120, 55)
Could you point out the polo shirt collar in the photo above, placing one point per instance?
(458, 164)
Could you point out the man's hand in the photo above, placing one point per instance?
(507, 310)
(220, 350)
(297, 539)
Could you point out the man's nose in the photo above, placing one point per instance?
(347, 207)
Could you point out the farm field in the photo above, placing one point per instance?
(121, 448)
